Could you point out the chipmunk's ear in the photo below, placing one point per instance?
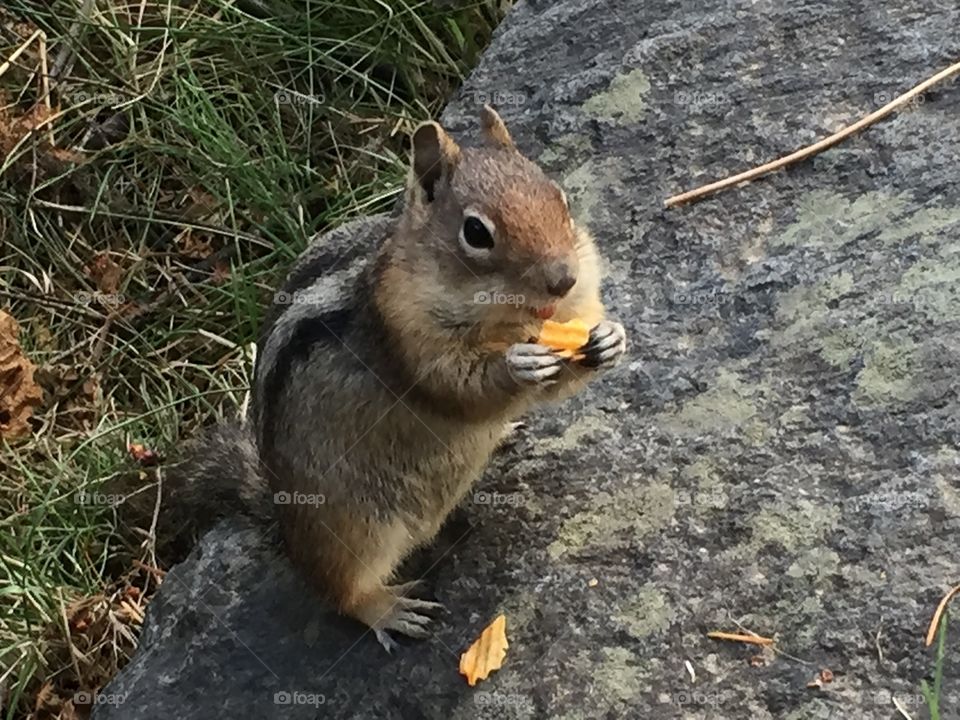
(435, 155)
(494, 129)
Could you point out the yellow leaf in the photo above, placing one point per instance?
(487, 653)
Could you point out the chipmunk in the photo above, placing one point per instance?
(381, 388)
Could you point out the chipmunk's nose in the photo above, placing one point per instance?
(560, 278)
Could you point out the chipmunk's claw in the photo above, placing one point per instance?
(607, 344)
(533, 364)
(511, 429)
(389, 644)
(407, 616)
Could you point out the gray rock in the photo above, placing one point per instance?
(779, 452)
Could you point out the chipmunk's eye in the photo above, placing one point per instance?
(475, 235)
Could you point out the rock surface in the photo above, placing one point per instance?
(779, 452)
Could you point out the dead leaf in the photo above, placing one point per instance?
(19, 393)
(221, 273)
(13, 128)
(68, 711)
(143, 454)
(26, 129)
(100, 631)
(80, 623)
(202, 204)
(91, 387)
(824, 677)
(45, 696)
(105, 273)
(193, 245)
(487, 653)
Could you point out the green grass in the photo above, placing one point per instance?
(211, 139)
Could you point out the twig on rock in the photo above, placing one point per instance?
(817, 147)
(935, 622)
(901, 709)
(739, 637)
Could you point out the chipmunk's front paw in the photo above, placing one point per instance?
(533, 364)
(607, 344)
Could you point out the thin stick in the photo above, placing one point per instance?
(152, 539)
(45, 84)
(155, 571)
(816, 147)
(19, 51)
(737, 637)
(65, 56)
(132, 610)
(935, 622)
(877, 642)
(67, 635)
(902, 710)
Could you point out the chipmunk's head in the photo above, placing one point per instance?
(492, 226)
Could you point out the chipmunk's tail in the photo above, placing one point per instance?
(219, 476)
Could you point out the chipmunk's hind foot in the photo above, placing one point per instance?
(389, 609)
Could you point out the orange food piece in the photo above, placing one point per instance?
(487, 652)
(566, 338)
